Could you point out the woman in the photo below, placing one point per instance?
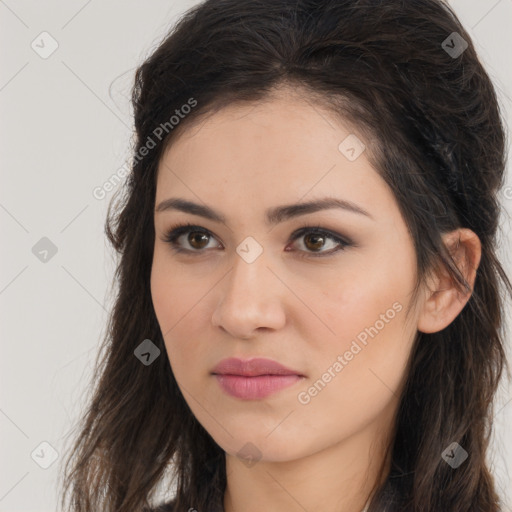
(309, 304)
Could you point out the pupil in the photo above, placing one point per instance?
(197, 234)
(317, 237)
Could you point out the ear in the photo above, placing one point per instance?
(443, 302)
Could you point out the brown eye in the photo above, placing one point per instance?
(195, 237)
(317, 241)
(198, 239)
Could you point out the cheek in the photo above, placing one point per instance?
(173, 291)
(364, 306)
(356, 378)
(366, 316)
(176, 301)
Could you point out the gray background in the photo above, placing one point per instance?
(65, 126)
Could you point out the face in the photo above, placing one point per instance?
(322, 292)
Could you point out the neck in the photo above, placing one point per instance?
(340, 477)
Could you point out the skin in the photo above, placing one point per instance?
(303, 312)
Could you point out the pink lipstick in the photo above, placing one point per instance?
(254, 379)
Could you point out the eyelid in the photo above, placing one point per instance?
(179, 229)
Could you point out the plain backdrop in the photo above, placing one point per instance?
(66, 127)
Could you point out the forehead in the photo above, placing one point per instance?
(278, 150)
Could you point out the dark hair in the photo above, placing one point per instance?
(434, 132)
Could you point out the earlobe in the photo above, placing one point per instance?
(442, 299)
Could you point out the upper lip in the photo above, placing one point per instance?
(252, 367)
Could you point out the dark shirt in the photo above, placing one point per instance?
(167, 507)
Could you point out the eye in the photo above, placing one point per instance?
(315, 239)
(196, 239)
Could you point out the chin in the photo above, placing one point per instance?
(253, 445)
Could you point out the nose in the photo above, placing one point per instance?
(252, 299)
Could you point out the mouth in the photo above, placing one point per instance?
(254, 379)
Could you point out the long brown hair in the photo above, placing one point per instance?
(394, 69)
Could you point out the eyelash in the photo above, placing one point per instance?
(177, 230)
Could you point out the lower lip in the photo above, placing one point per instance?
(253, 388)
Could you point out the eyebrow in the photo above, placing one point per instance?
(273, 215)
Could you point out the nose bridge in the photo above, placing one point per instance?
(248, 275)
(250, 296)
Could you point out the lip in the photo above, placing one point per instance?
(255, 378)
(252, 367)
